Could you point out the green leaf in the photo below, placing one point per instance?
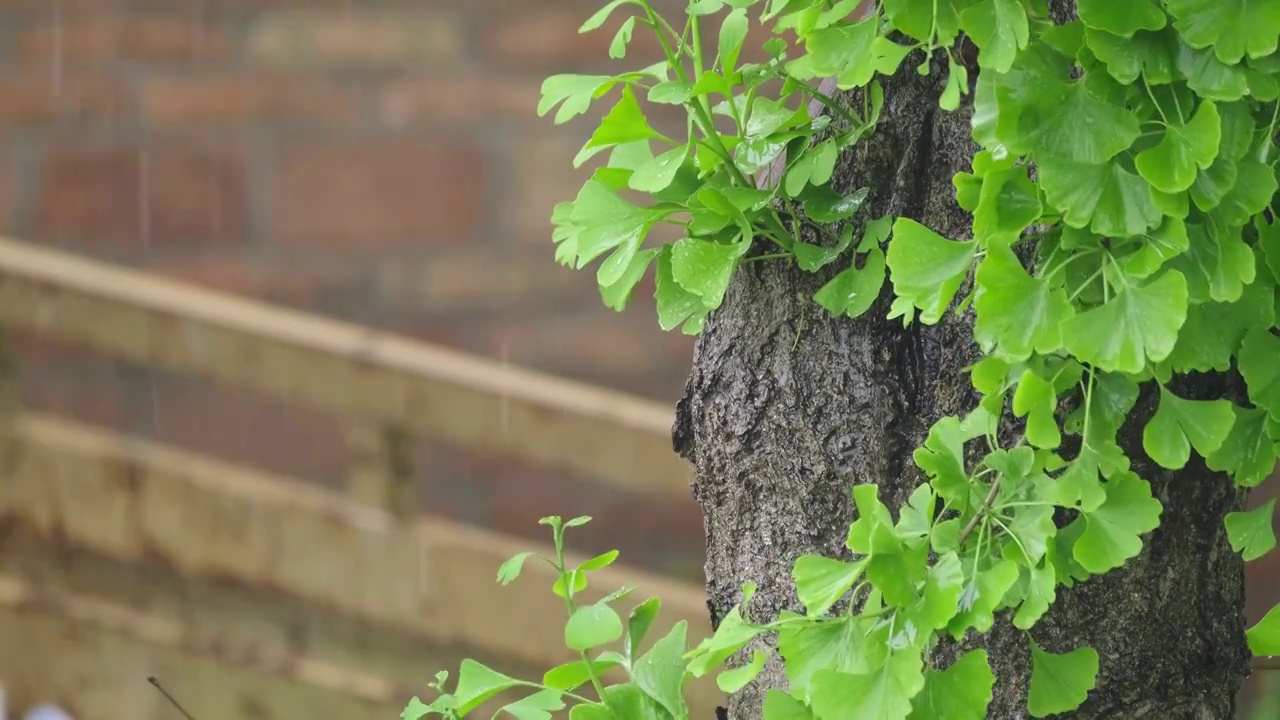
(1252, 533)
(940, 600)
(675, 304)
(1121, 18)
(1233, 27)
(477, 683)
(781, 706)
(1073, 125)
(733, 31)
(1254, 188)
(961, 692)
(1139, 324)
(821, 581)
(731, 681)
(824, 205)
(705, 268)
(852, 292)
(592, 626)
(415, 710)
(623, 124)
(1008, 203)
(601, 15)
(841, 51)
(1104, 197)
(1041, 592)
(573, 93)
(616, 294)
(1249, 453)
(1155, 248)
(618, 47)
(837, 645)
(1017, 314)
(729, 637)
(1257, 363)
(1179, 424)
(884, 694)
(510, 570)
(574, 674)
(1060, 683)
(981, 596)
(925, 268)
(1152, 55)
(1264, 638)
(602, 221)
(657, 174)
(537, 706)
(999, 28)
(638, 624)
(1112, 530)
(660, 672)
(1171, 166)
(1217, 264)
(1209, 77)
(1036, 399)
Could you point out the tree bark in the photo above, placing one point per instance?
(787, 408)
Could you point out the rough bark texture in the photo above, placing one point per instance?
(787, 408)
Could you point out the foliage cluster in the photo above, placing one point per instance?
(1123, 235)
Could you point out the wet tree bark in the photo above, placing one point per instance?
(787, 408)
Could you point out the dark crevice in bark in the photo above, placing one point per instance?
(787, 408)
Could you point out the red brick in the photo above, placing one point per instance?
(236, 425)
(539, 40)
(351, 38)
(376, 194)
(295, 284)
(41, 99)
(203, 102)
(131, 200)
(475, 279)
(546, 176)
(95, 397)
(444, 98)
(108, 37)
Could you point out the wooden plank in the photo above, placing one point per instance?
(72, 486)
(340, 368)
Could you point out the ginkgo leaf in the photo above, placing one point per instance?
(961, 692)
(999, 28)
(1233, 27)
(1060, 682)
(1257, 362)
(1113, 530)
(1213, 331)
(1017, 314)
(1036, 399)
(1007, 204)
(1104, 197)
(1264, 638)
(1075, 126)
(1153, 55)
(884, 694)
(925, 268)
(1171, 165)
(1180, 424)
(1121, 18)
(1249, 453)
(852, 291)
(1155, 248)
(1252, 533)
(1137, 325)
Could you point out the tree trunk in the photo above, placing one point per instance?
(787, 408)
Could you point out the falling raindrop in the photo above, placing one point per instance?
(144, 198)
(504, 422)
(55, 66)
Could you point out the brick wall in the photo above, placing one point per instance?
(378, 161)
(374, 160)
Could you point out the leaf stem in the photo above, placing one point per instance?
(979, 512)
(571, 607)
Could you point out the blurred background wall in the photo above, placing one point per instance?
(377, 161)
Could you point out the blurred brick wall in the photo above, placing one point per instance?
(373, 160)
(378, 161)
